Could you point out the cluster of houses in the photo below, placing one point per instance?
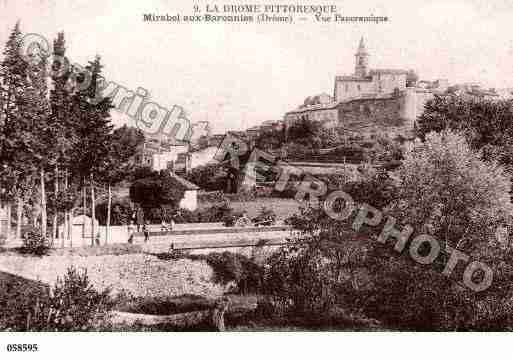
(387, 102)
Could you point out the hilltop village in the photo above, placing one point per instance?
(363, 106)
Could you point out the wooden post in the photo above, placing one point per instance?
(56, 189)
(109, 204)
(93, 228)
(19, 216)
(84, 208)
(43, 203)
(8, 214)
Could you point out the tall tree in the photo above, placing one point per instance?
(91, 111)
(16, 137)
(447, 190)
(486, 124)
(124, 142)
(35, 111)
(62, 123)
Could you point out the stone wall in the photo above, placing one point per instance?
(325, 114)
(345, 88)
(373, 116)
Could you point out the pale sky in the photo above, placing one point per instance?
(239, 75)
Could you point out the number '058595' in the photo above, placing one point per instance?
(22, 347)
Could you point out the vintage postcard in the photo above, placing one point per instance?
(254, 166)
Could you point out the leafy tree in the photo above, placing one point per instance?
(27, 145)
(160, 189)
(305, 132)
(93, 129)
(385, 150)
(41, 133)
(210, 177)
(448, 191)
(14, 165)
(123, 145)
(270, 139)
(62, 123)
(376, 188)
(486, 124)
(347, 278)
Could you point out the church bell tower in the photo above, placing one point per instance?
(361, 60)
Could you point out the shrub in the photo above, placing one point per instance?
(212, 196)
(448, 191)
(75, 304)
(71, 305)
(35, 243)
(211, 177)
(376, 188)
(334, 267)
(161, 188)
(18, 296)
(216, 213)
(233, 267)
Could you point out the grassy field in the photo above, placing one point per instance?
(139, 275)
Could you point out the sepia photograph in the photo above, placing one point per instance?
(301, 169)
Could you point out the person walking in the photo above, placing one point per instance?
(140, 219)
(146, 231)
(131, 232)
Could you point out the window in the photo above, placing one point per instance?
(347, 87)
(358, 87)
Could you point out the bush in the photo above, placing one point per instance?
(216, 213)
(211, 177)
(334, 267)
(161, 188)
(34, 242)
(233, 267)
(448, 191)
(71, 305)
(76, 304)
(212, 196)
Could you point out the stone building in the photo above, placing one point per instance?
(367, 82)
(369, 101)
(159, 154)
